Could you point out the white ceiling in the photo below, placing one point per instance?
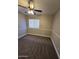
(47, 6)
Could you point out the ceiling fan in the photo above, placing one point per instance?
(31, 8)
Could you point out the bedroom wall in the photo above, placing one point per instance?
(56, 31)
(21, 25)
(45, 25)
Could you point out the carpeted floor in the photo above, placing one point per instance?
(35, 47)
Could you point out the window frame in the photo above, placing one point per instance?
(34, 25)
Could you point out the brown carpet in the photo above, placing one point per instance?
(35, 47)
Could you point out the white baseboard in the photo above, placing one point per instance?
(21, 36)
(55, 48)
(39, 35)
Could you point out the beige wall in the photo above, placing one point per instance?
(45, 26)
(56, 31)
(21, 25)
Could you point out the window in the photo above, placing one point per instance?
(34, 23)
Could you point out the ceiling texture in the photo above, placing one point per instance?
(48, 7)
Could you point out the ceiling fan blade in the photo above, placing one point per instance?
(37, 10)
(22, 6)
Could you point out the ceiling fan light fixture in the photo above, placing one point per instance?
(30, 12)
